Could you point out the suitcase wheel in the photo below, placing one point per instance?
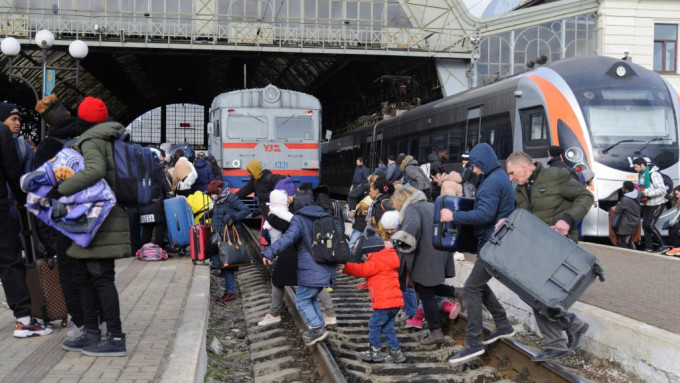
(64, 322)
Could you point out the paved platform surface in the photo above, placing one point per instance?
(152, 299)
(641, 286)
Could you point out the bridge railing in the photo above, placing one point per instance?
(222, 32)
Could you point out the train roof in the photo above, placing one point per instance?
(254, 98)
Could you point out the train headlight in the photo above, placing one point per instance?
(236, 163)
(271, 94)
(574, 154)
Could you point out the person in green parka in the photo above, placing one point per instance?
(560, 201)
(95, 265)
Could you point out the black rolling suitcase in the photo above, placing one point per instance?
(449, 236)
(545, 269)
(42, 276)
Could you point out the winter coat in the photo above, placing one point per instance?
(360, 176)
(380, 205)
(10, 170)
(629, 208)
(285, 267)
(451, 184)
(381, 170)
(393, 172)
(380, 271)
(556, 162)
(434, 160)
(656, 193)
(232, 206)
(554, 195)
(204, 175)
(156, 207)
(494, 198)
(423, 263)
(303, 198)
(183, 174)
(58, 133)
(200, 203)
(262, 187)
(361, 213)
(414, 176)
(96, 146)
(299, 235)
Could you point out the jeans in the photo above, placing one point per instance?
(651, 214)
(277, 302)
(410, 301)
(353, 238)
(95, 278)
(306, 302)
(382, 322)
(12, 268)
(431, 304)
(229, 280)
(477, 292)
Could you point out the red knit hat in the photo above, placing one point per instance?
(93, 110)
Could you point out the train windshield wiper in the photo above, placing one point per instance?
(639, 150)
(287, 119)
(615, 144)
(255, 117)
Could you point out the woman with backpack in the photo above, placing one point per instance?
(228, 210)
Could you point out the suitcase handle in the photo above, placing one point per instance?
(177, 222)
(498, 235)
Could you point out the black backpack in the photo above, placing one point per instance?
(329, 244)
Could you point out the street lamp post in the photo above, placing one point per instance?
(44, 39)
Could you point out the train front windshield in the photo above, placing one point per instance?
(636, 115)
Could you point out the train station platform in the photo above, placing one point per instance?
(633, 315)
(164, 310)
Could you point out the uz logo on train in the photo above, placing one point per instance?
(272, 148)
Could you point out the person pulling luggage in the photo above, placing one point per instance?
(560, 201)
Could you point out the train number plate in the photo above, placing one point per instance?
(281, 165)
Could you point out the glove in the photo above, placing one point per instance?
(230, 220)
(54, 193)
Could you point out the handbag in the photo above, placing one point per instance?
(232, 251)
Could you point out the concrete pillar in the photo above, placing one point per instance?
(452, 76)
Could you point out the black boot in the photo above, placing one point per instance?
(111, 345)
(435, 337)
(86, 338)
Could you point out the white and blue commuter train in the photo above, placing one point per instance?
(280, 128)
(604, 112)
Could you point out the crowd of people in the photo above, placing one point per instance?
(391, 238)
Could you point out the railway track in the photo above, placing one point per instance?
(278, 354)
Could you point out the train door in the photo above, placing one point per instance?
(474, 121)
(378, 149)
(215, 136)
(535, 132)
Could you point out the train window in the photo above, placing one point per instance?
(496, 131)
(247, 127)
(535, 135)
(217, 130)
(294, 128)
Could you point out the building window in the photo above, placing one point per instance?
(665, 47)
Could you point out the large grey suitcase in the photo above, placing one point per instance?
(544, 268)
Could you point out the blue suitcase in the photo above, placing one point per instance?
(179, 219)
(449, 236)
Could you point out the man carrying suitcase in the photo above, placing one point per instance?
(495, 201)
(560, 201)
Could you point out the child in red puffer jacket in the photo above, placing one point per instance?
(380, 270)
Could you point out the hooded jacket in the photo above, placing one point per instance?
(423, 263)
(494, 198)
(414, 176)
(299, 235)
(58, 133)
(555, 195)
(204, 175)
(451, 184)
(96, 146)
(380, 270)
(629, 208)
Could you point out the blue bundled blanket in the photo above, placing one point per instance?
(77, 216)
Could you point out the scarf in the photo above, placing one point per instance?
(223, 196)
(644, 176)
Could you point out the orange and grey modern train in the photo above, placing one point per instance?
(602, 111)
(280, 128)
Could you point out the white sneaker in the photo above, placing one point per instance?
(74, 332)
(457, 256)
(269, 320)
(330, 320)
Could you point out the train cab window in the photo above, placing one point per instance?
(535, 135)
(301, 128)
(217, 130)
(247, 127)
